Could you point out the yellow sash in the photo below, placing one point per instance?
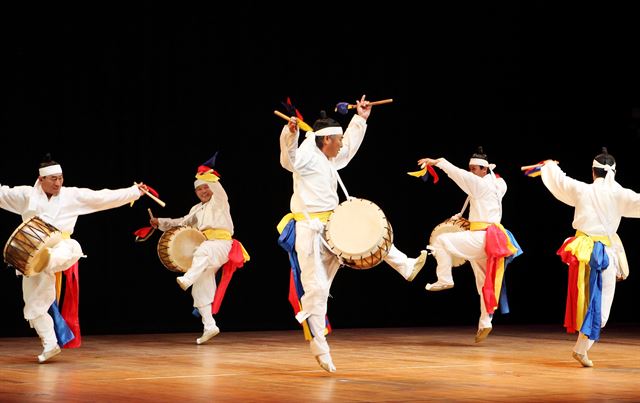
(223, 234)
(478, 225)
(322, 216)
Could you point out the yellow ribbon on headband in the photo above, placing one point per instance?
(208, 176)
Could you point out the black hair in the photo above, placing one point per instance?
(605, 159)
(480, 154)
(47, 161)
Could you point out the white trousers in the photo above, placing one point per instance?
(207, 260)
(39, 291)
(468, 245)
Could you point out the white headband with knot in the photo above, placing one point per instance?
(50, 170)
(482, 163)
(607, 168)
(328, 131)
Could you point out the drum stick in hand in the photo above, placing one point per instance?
(150, 213)
(301, 123)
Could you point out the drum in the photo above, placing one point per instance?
(451, 225)
(176, 247)
(359, 233)
(26, 249)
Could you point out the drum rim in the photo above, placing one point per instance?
(37, 250)
(174, 231)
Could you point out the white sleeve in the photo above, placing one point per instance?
(288, 148)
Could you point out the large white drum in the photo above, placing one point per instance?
(359, 233)
(176, 247)
(451, 225)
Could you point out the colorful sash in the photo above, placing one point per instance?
(238, 255)
(501, 248)
(587, 258)
(66, 324)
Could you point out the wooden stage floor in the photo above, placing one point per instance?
(515, 364)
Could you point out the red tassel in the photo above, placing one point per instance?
(153, 191)
(433, 173)
(70, 305)
(236, 261)
(144, 233)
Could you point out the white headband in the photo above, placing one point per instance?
(50, 170)
(199, 182)
(329, 131)
(482, 163)
(479, 161)
(607, 168)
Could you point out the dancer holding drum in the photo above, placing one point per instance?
(315, 164)
(217, 249)
(51, 209)
(487, 245)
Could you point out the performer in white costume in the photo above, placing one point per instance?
(59, 206)
(314, 164)
(599, 207)
(485, 191)
(212, 216)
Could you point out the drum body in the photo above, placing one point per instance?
(26, 249)
(451, 225)
(359, 233)
(176, 247)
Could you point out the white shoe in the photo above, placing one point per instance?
(49, 354)
(483, 334)
(182, 283)
(583, 359)
(326, 362)
(438, 286)
(418, 265)
(207, 335)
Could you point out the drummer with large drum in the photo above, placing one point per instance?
(314, 164)
(487, 245)
(50, 211)
(217, 248)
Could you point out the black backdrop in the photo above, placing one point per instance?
(123, 93)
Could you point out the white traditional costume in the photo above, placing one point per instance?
(315, 196)
(599, 207)
(61, 211)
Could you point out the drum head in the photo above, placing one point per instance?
(183, 246)
(357, 227)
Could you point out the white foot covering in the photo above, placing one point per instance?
(326, 362)
(583, 359)
(46, 355)
(438, 286)
(418, 265)
(182, 283)
(207, 335)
